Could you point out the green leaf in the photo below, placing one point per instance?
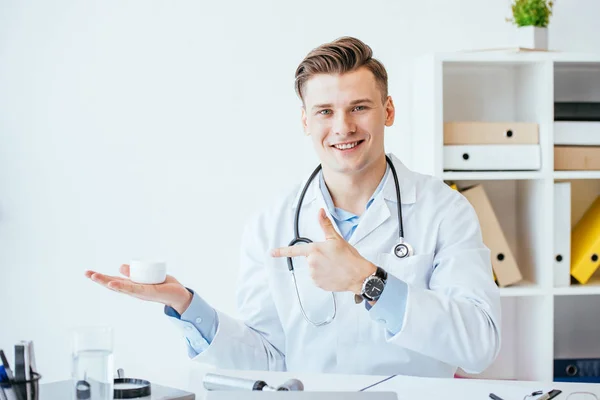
(532, 12)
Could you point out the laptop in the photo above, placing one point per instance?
(292, 395)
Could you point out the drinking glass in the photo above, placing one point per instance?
(92, 363)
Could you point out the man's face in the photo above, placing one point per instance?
(346, 119)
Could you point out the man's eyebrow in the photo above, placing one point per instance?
(352, 103)
(321, 106)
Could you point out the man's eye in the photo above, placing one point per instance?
(325, 112)
(359, 108)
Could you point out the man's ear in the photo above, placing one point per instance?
(304, 122)
(390, 111)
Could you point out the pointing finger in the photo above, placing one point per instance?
(292, 251)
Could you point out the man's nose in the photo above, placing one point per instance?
(344, 124)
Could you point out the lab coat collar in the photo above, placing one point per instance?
(405, 180)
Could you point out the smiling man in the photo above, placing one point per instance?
(405, 243)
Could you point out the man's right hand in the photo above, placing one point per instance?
(170, 292)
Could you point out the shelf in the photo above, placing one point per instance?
(493, 86)
(590, 288)
(490, 175)
(576, 174)
(511, 56)
(522, 289)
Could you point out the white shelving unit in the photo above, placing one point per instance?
(539, 322)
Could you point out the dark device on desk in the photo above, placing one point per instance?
(63, 390)
(553, 393)
(124, 388)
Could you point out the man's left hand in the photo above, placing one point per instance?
(335, 265)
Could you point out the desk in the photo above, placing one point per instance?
(407, 388)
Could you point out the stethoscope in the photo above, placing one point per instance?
(401, 249)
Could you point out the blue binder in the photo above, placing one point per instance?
(577, 370)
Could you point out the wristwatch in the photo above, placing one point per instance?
(373, 285)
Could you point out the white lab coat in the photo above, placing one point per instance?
(452, 314)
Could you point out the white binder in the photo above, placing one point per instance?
(492, 157)
(581, 133)
(562, 234)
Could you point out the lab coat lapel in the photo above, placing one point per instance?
(321, 204)
(372, 218)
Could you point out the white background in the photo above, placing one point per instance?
(154, 128)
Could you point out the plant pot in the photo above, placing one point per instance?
(532, 37)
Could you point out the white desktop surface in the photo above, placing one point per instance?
(406, 387)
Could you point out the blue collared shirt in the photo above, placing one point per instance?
(199, 322)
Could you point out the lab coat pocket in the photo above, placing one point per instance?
(415, 270)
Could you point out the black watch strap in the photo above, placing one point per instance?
(381, 273)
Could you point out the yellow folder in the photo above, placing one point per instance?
(585, 244)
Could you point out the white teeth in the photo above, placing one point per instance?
(345, 146)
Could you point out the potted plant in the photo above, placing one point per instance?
(532, 18)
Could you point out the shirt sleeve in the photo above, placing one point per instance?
(391, 305)
(198, 324)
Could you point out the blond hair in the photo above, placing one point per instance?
(345, 54)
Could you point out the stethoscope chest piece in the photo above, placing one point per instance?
(403, 249)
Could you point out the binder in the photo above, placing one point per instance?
(569, 158)
(504, 265)
(562, 234)
(492, 157)
(490, 133)
(577, 368)
(577, 133)
(577, 111)
(585, 244)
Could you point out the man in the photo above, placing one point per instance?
(426, 314)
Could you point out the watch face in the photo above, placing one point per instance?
(374, 287)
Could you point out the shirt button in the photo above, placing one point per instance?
(196, 344)
(188, 328)
(198, 320)
(381, 321)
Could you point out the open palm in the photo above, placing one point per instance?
(170, 292)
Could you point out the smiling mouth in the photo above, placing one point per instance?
(347, 146)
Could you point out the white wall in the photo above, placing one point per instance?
(153, 128)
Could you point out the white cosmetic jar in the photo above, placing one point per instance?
(148, 272)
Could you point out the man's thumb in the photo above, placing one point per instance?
(327, 226)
